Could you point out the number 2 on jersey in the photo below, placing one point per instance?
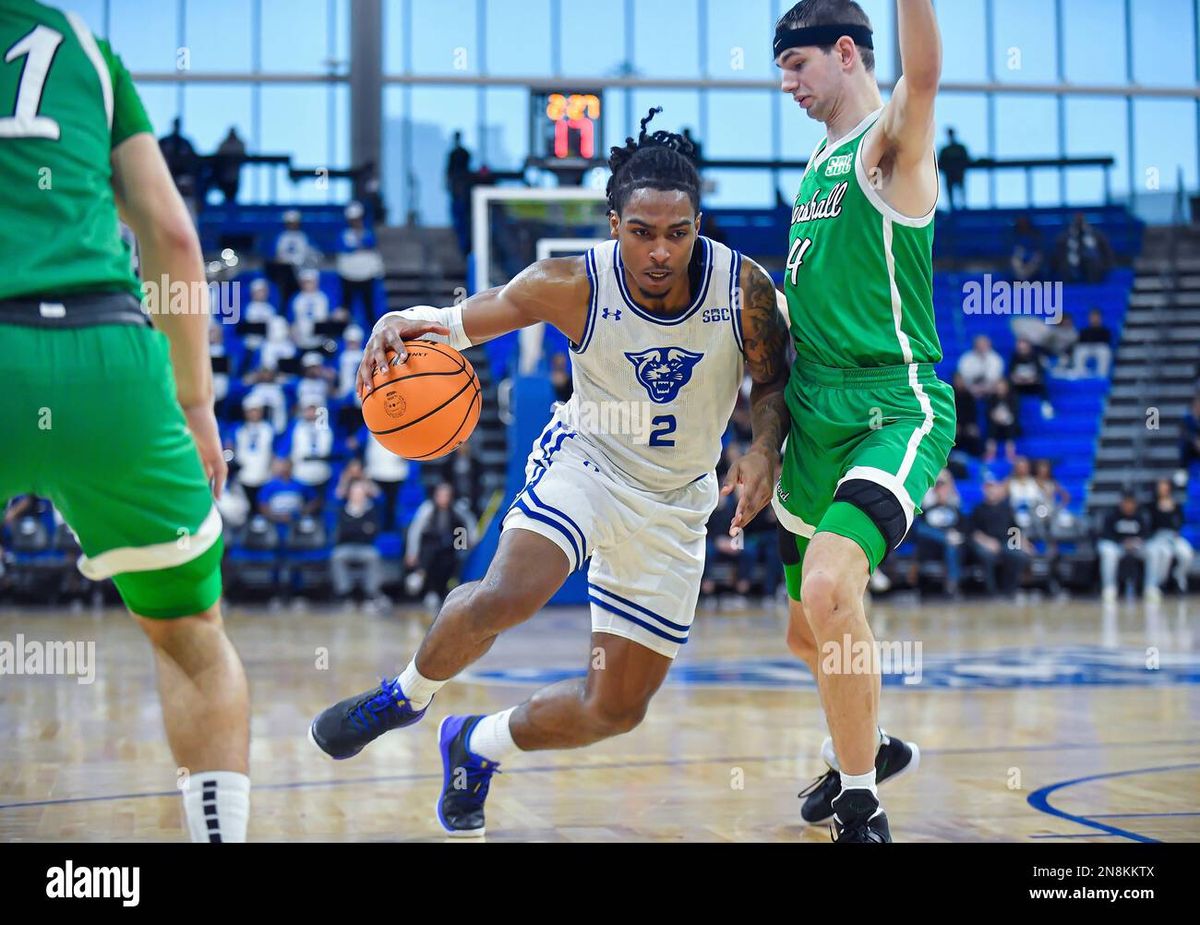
(665, 424)
(796, 257)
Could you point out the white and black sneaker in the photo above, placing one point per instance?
(893, 760)
(857, 817)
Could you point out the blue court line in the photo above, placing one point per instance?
(611, 766)
(1040, 800)
(1083, 835)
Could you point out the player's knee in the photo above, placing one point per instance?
(616, 717)
(825, 600)
(492, 608)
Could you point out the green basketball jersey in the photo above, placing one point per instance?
(859, 278)
(65, 102)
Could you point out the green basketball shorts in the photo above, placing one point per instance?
(864, 447)
(89, 419)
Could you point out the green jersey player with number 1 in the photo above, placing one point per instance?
(871, 425)
(106, 416)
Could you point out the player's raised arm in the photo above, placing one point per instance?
(554, 290)
(907, 120)
(765, 342)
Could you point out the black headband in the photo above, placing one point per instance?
(820, 35)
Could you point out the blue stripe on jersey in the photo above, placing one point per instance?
(535, 515)
(638, 607)
(604, 605)
(529, 483)
(589, 263)
(706, 278)
(546, 508)
(736, 300)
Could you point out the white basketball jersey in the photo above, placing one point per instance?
(653, 395)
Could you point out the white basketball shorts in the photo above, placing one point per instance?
(646, 548)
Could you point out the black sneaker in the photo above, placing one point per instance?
(858, 818)
(347, 727)
(466, 778)
(893, 760)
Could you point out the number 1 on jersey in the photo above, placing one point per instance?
(40, 45)
(796, 257)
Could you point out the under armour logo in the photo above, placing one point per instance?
(616, 314)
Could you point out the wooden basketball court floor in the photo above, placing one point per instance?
(1037, 723)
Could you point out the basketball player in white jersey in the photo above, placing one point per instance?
(659, 318)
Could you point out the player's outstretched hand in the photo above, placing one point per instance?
(391, 335)
(203, 424)
(755, 474)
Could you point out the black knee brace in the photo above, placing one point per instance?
(879, 504)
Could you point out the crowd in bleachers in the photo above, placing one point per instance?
(313, 506)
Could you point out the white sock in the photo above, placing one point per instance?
(216, 806)
(860, 782)
(418, 688)
(491, 738)
(830, 753)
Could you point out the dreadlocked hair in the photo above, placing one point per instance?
(661, 161)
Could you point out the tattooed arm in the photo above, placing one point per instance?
(765, 340)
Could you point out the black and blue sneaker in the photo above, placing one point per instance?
(465, 779)
(347, 727)
(893, 760)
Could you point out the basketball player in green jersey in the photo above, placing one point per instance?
(871, 425)
(109, 418)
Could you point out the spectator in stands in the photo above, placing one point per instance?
(317, 381)
(266, 386)
(292, 253)
(1061, 344)
(227, 168)
(258, 311)
(1027, 375)
(359, 264)
(1028, 253)
(283, 500)
(217, 353)
(560, 377)
(358, 527)
(1189, 441)
(1028, 503)
(311, 449)
(1004, 422)
(461, 470)
(996, 542)
(349, 360)
(439, 538)
(388, 471)
(309, 306)
(967, 437)
(458, 185)
(938, 530)
(184, 164)
(1082, 253)
(1095, 343)
(1057, 500)
(1123, 536)
(953, 161)
(981, 368)
(253, 448)
(1167, 542)
(278, 345)
(725, 564)
(353, 472)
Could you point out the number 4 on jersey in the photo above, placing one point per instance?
(796, 257)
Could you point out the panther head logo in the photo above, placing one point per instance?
(663, 371)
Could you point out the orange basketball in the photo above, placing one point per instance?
(426, 408)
